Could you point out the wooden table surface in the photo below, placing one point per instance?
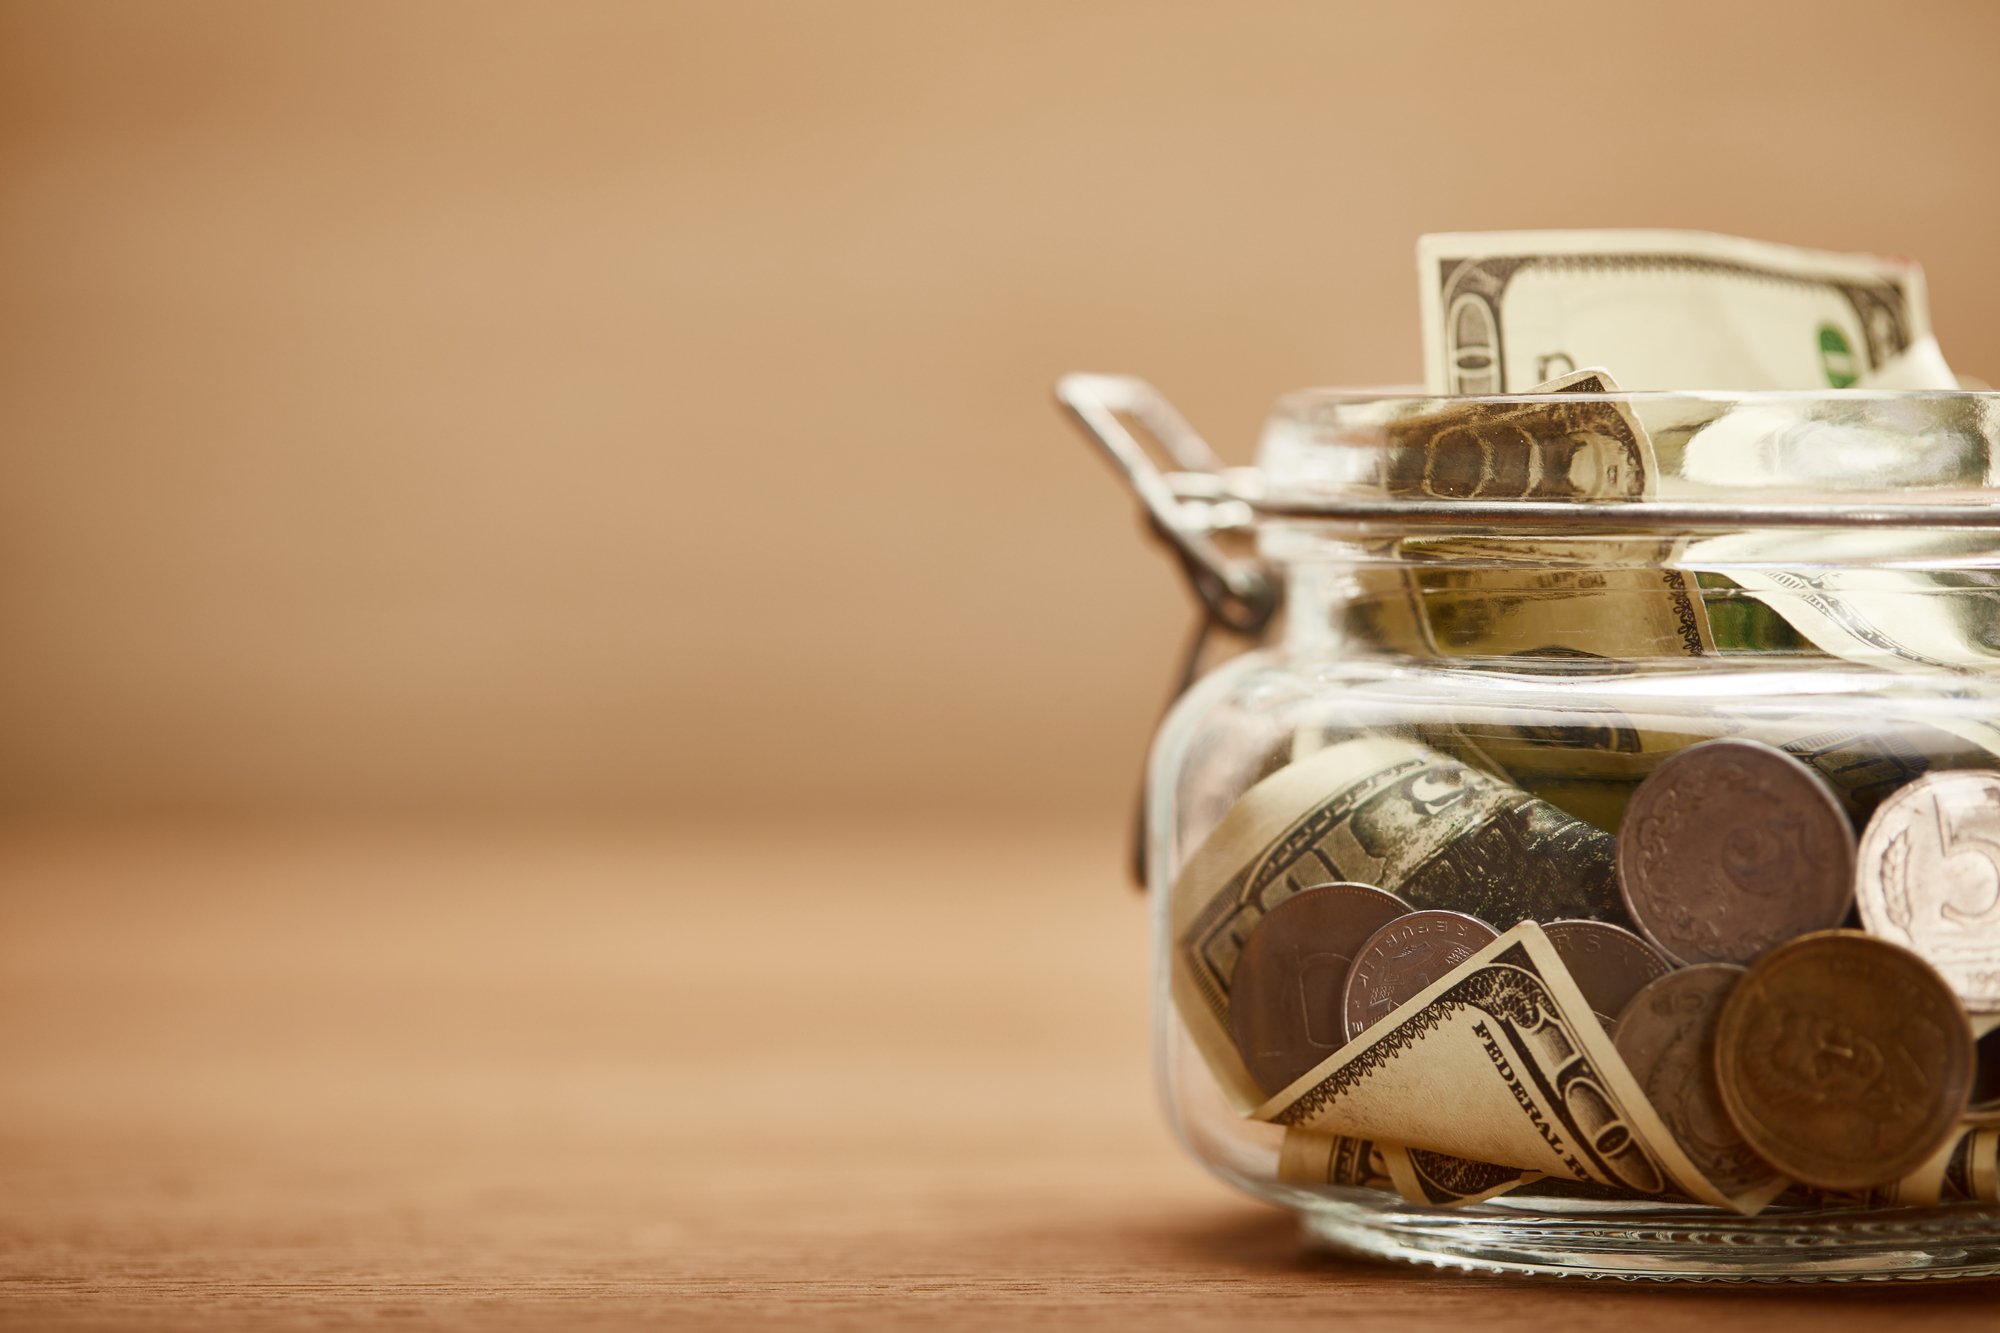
(833, 1077)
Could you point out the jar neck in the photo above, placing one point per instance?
(1319, 596)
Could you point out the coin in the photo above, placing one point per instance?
(1731, 847)
(1667, 1038)
(1843, 1060)
(1285, 992)
(1405, 956)
(1930, 879)
(1608, 965)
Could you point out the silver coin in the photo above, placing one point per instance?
(1930, 879)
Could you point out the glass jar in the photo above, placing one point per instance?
(1475, 629)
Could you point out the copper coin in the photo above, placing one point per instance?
(1930, 879)
(1843, 1060)
(1608, 965)
(1667, 1038)
(1405, 956)
(1285, 992)
(1730, 848)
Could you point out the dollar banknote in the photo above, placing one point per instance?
(1963, 1170)
(1620, 599)
(1698, 311)
(1865, 759)
(1587, 759)
(1665, 309)
(1433, 1179)
(1897, 600)
(1576, 446)
(1502, 1061)
(1444, 1180)
(1972, 1169)
(1490, 596)
(1374, 810)
(1920, 366)
(1310, 1158)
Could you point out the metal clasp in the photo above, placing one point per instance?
(1187, 507)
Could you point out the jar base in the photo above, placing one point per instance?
(1640, 1242)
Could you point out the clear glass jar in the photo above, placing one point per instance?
(1504, 614)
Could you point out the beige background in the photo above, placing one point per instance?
(642, 409)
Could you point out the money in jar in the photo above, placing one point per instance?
(1589, 859)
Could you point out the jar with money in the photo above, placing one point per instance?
(1589, 860)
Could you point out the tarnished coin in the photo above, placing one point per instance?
(1667, 1037)
(1286, 991)
(1732, 847)
(1405, 956)
(1843, 1060)
(1930, 879)
(1608, 965)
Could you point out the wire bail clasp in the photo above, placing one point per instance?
(1186, 507)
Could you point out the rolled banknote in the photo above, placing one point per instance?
(1308, 1157)
(1569, 448)
(1963, 1170)
(1381, 811)
(1433, 1179)
(1665, 309)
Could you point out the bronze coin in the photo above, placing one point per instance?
(1930, 878)
(1405, 956)
(1730, 848)
(1667, 1038)
(1285, 991)
(1843, 1060)
(1608, 964)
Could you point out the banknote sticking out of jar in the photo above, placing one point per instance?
(1578, 851)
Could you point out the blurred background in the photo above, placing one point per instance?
(544, 598)
(642, 410)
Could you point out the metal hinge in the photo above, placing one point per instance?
(1189, 506)
(1193, 508)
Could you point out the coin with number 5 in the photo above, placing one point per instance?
(1930, 879)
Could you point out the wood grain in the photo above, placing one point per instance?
(589, 1079)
